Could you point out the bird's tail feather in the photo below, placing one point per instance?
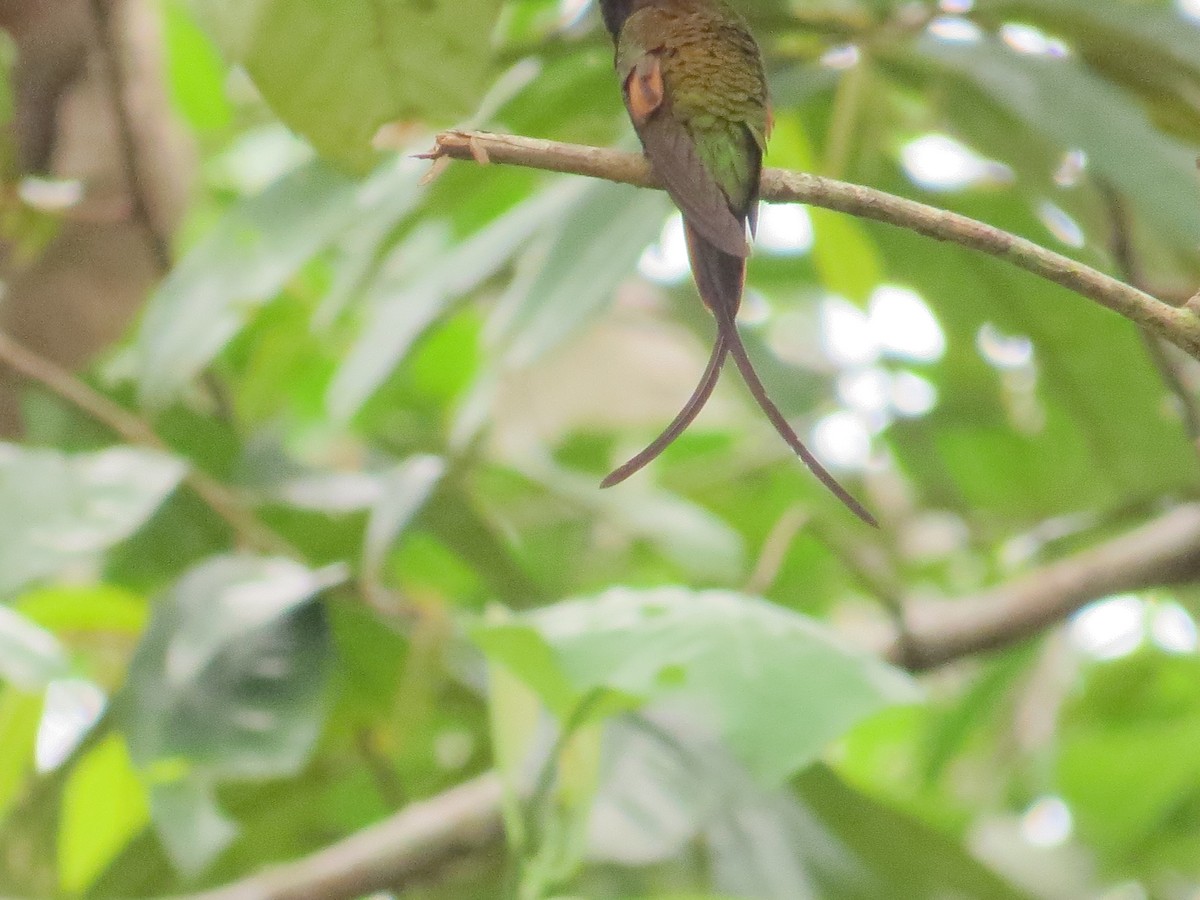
(720, 279)
(685, 417)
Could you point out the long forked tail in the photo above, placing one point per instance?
(685, 417)
(719, 278)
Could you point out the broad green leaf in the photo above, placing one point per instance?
(405, 490)
(30, 656)
(1092, 431)
(104, 806)
(245, 260)
(58, 510)
(336, 70)
(229, 676)
(776, 685)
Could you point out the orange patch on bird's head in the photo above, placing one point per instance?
(644, 90)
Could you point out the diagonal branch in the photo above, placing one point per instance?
(250, 531)
(467, 820)
(1179, 325)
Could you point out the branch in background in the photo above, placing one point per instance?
(1179, 325)
(393, 855)
(1164, 551)
(113, 62)
(251, 532)
(403, 849)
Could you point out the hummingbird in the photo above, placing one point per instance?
(692, 78)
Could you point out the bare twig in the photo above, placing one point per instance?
(219, 498)
(112, 60)
(1164, 551)
(1179, 325)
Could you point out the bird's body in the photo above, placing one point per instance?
(692, 78)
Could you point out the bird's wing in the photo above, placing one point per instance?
(672, 152)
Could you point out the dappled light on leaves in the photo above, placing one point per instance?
(1047, 822)
(938, 162)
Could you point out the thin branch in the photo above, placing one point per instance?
(219, 498)
(1179, 325)
(112, 62)
(1162, 552)
(392, 855)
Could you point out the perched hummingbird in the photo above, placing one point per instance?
(692, 77)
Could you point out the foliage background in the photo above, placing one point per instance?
(324, 570)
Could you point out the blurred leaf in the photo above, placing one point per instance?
(230, 675)
(730, 660)
(701, 544)
(405, 490)
(20, 713)
(94, 607)
(419, 281)
(190, 823)
(336, 70)
(227, 683)
(1077, 110)
(244, 261)
(103, 807)
(59, 509)
(594, 249)
(30, 656)
(663, 787)
(195, 72)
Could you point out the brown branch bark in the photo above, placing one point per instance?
(401, 850)
(1179, 325)
(1164, 551)
(465, 820)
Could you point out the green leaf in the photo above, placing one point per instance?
(30, 657)
(336, 70)
(405, 490)
(195, 71)
(20, 713)
(230, 674)
(190, 823)
(1071, 106)
(103, 807)
(419, 281)
(245, 260)
(593, 250)
(777, 685)
(60, 510)
(228, 682)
